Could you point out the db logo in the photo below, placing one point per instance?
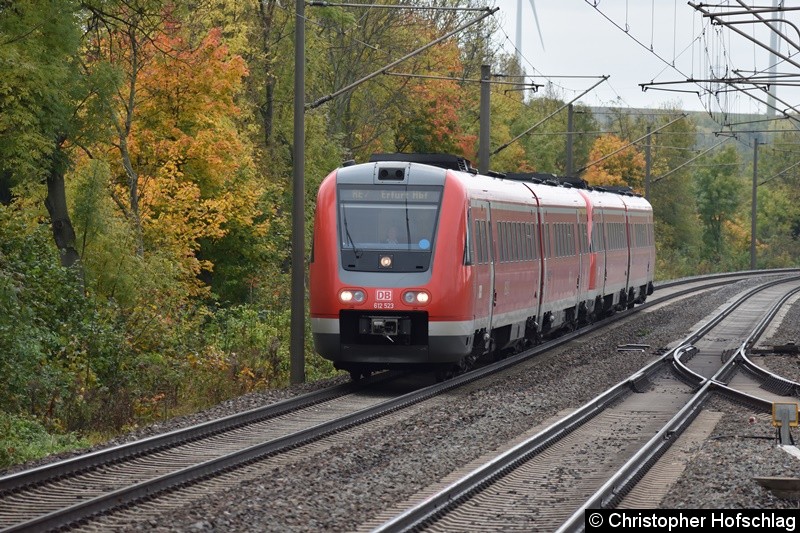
(383, 295)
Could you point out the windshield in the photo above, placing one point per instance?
(388, 218)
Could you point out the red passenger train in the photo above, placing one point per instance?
(418, 261)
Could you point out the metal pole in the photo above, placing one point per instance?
(548, 117)
(753, 207)
(483, 136)
(298, 304)
(648, 165)
(570, 129)
(583, 168)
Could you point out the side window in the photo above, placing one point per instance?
(528, 247)
(549, 236)
(499, 242)
(487, 240)
(512, 243)
(509, 242)
(501, 233)
(555, 250)
(479, 241)
(559, 240)
(584, 238)
(486, 237)
(469, 252)
(484, 243)
(568, 246)
(512, 237)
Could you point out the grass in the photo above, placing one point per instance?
(23, 439)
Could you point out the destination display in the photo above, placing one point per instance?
(390, 195)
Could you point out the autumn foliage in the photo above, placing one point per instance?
(432, 119)
(618, 164)
(193, 168)
(146, 194)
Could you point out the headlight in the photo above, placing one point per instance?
(351, 295)
(386, 261)
(416, 297)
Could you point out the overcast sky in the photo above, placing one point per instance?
(580, 41)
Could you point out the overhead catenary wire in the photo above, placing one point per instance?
(648, 134)
(533, 86)
(781, 173)
(318, 102)
(320, 3)
(509, 143)
(656, 180)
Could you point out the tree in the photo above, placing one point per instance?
(618, 164)
(718, 199)
(546, 145)
(778, 202)
(183, 172)
(40, 89)
(121, 45)
(431, 120)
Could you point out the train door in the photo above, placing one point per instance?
(582, 245)
(547, 274)
(599, 247)
(628, 247)
(485, 258)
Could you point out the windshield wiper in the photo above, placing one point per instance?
(408, 224)
(347, 233)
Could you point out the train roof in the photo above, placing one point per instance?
(462, 164)
(446, 161)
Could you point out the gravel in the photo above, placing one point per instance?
(365, 470)
(722, 473)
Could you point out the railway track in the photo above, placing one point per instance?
(541, 481)
(46, 497)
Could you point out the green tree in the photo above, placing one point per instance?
(778, 225)
(719, 192)
(40, 87)
(672, 191)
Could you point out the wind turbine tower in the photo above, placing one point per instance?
(518, 36)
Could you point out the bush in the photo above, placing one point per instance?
(23, 439)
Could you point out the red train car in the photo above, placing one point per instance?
(419, 261)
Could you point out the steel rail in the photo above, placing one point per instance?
(163, 441)
(611, 493)
(770, 381)
(115, 454)
(149, 488)
(461, 489)
(484, 475)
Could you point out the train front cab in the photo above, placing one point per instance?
(377, 304)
